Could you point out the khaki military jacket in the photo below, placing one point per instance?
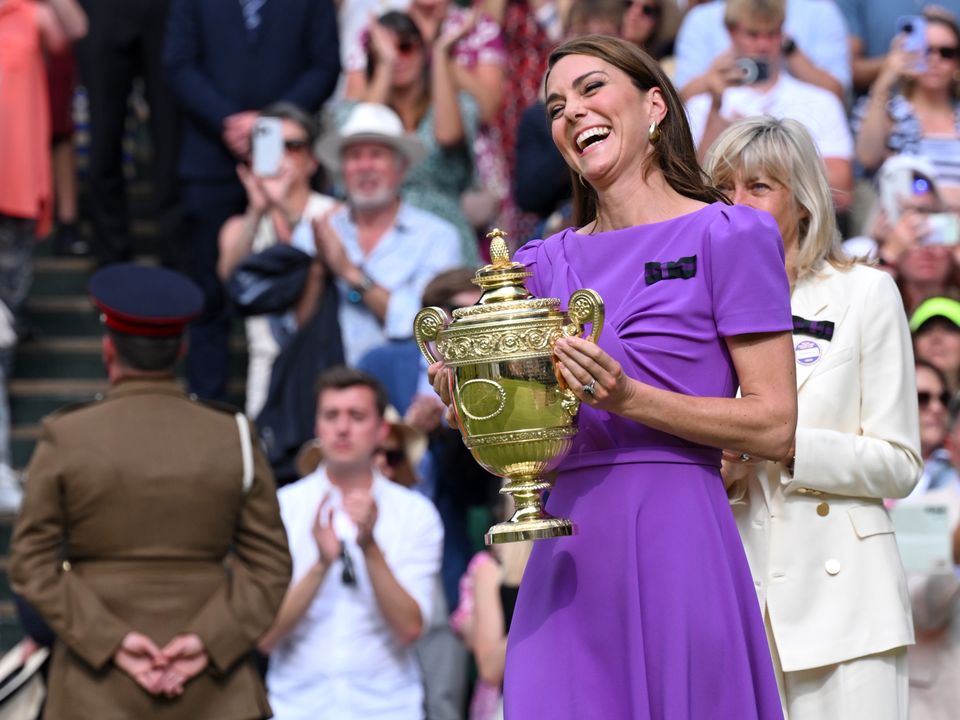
(136, 518)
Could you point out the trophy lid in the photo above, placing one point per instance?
(502, 279)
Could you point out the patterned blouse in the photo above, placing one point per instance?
(906, 137)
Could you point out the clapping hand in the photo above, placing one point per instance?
(328, 544)
(383, 42)
(329, 245)
(451, 35)
(362, 510)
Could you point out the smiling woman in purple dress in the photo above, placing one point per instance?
(649, 611)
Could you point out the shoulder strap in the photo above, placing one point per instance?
(246, 451)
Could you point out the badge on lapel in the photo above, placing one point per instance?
(808, 352)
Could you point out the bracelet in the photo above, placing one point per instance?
(790, 463)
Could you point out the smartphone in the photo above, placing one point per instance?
(267, 146)
(755, 70)
(913, 28)
(943, 229)
(898, 181)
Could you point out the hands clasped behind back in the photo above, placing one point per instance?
(161, 671)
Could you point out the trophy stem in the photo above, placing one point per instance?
(530, 521)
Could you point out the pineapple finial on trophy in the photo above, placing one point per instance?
(501, 279)
(499, 253)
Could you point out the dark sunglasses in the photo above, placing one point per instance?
(924, 398)
(349, 576)
(405, 46)
(296, 145)
(393, 457)
(651, 11)
(948, 52)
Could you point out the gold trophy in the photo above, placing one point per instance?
(514, 411)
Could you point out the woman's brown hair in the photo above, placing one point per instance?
(674, 153)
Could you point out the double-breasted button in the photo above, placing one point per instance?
(832, 566)
(66, 565)
(823, 509)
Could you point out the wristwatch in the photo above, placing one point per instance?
(789, 47)
(356, 293)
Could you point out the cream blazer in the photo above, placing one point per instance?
(820, 542)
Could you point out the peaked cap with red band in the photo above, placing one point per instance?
(145, 301)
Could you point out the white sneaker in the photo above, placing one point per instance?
(11, 493)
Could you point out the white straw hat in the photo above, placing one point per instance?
(370, 122)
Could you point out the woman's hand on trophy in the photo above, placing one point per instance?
(440, 375)
(595, 377)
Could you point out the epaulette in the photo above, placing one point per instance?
(216, 404)
(71, 407)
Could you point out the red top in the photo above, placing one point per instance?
(25, 177)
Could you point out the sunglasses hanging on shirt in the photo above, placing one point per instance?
(349, 574)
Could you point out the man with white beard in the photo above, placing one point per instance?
(380, 251)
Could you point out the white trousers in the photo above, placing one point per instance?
(874, 687)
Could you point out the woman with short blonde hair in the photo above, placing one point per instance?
(784, 151)
(818, 538)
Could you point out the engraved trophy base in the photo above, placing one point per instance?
(530, 521)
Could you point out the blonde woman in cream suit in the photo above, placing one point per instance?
(819, 540)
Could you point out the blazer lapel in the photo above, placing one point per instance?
(817, 298)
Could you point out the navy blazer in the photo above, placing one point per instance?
(217, 68)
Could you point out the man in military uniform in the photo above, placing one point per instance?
(150, 538)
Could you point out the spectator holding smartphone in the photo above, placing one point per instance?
(813, 41)
(749, 80)
(908, 232)
(914, 104)
(280, 209)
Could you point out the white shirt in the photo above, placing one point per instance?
(818, 109)
(817, 26)
(341, 662)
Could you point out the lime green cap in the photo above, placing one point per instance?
(933, 308)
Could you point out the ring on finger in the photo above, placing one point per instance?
(590, 388)
(744, 457)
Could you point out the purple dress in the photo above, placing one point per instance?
(649, 611)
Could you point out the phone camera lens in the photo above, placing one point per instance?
(908, 28)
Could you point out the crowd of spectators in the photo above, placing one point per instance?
(407, 130)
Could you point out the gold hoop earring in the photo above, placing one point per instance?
(654, 132)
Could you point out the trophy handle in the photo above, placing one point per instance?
(426, 328)
(586, 306)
